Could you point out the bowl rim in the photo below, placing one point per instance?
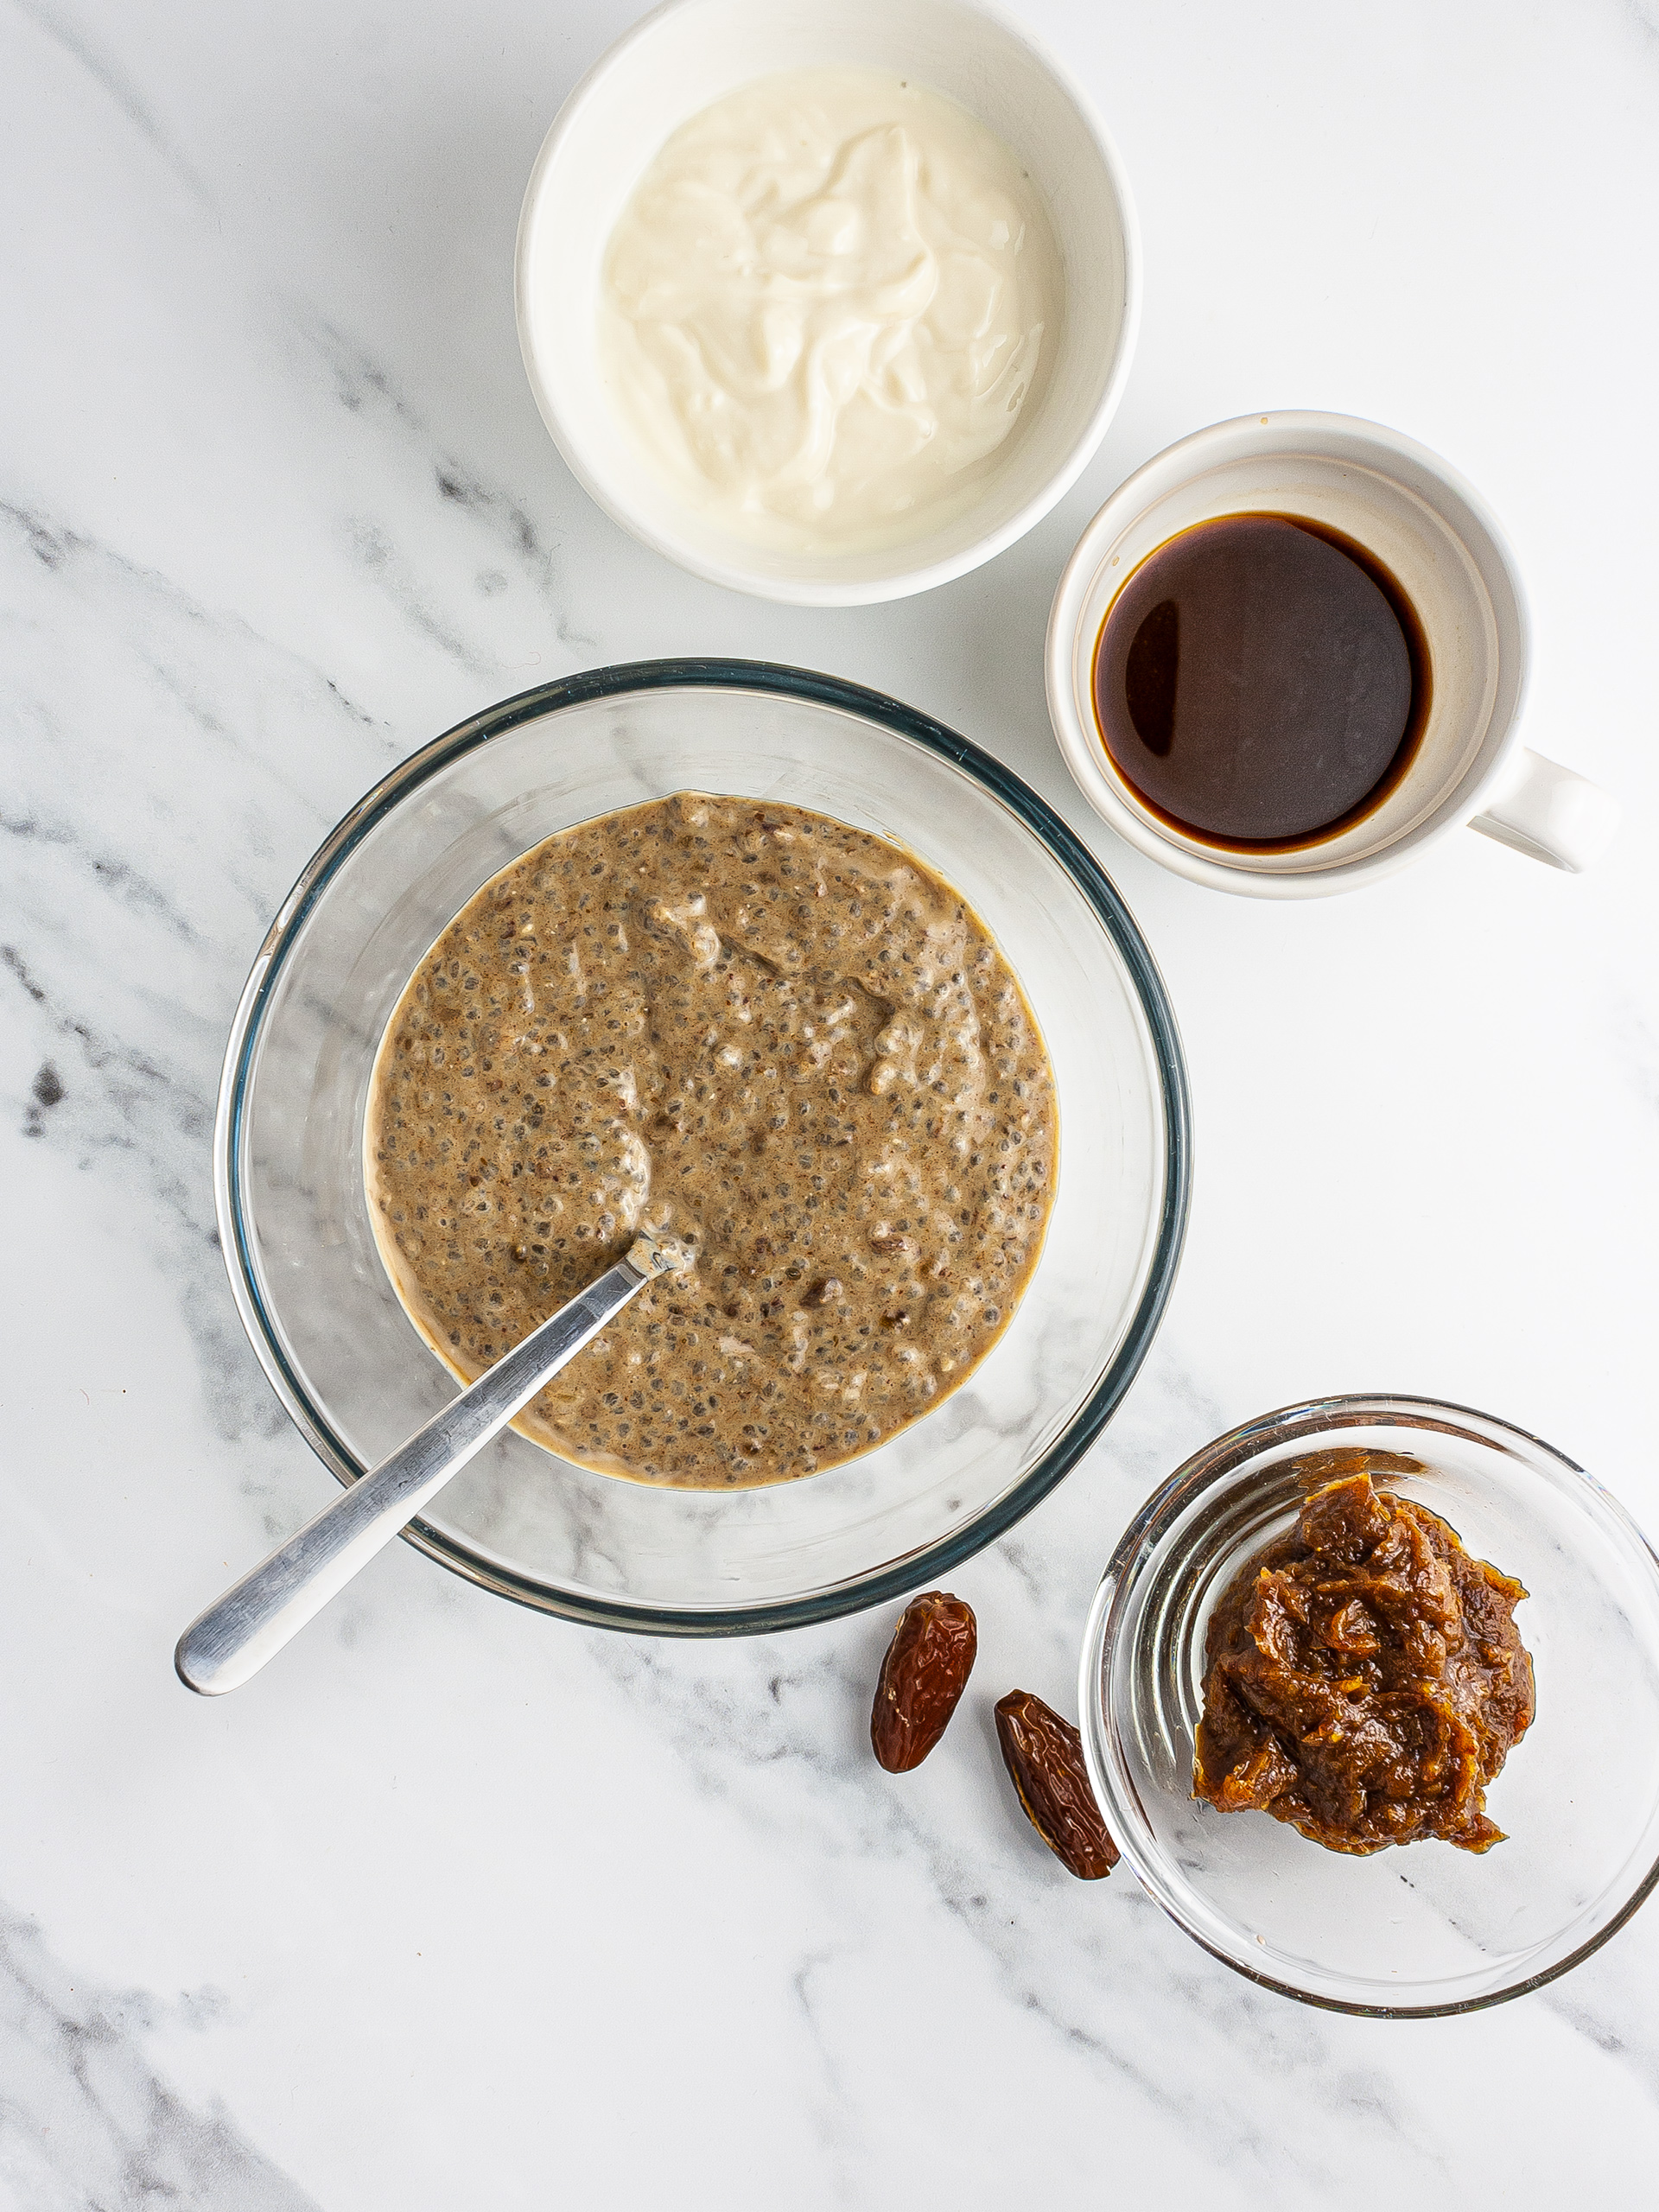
(901, 582)
(1287, 1425)
(615, 681)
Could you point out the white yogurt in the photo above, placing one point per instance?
(824, 309)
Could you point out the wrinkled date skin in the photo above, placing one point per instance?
(923, 1676)
(1044, 1756)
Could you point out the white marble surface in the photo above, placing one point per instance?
(457, 1906)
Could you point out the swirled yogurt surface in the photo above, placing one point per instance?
(826, 306)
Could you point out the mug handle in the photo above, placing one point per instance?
(1544, 809)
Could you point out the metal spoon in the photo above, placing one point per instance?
(273, 1601)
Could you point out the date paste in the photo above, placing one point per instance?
(1366, 1679)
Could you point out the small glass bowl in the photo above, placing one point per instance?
(1414, 1932)
(344, 1357)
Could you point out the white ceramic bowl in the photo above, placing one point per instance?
(692, 53)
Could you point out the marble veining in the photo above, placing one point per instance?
(86, 2120)
(458, 1905)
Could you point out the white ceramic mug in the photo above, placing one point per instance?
(1430, 531)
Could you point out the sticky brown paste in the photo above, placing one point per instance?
(1366, 1679)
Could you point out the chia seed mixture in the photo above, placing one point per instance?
(787, 1043)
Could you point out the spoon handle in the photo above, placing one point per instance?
(273, 1601)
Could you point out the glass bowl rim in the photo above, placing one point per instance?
(1288, 1424)
(619, 680)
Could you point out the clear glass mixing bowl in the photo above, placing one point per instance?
(1425, 1929)
(347, 1363)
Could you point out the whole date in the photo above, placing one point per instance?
(922, 1679)
(1044, 1756)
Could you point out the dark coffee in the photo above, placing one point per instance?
(1261, 681)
